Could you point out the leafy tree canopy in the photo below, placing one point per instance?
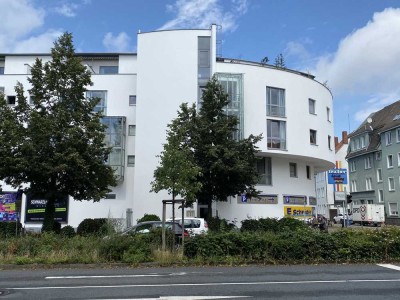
(55, 146)
(224, 166)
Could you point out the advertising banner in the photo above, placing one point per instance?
(337, 176)
(7, 207)
(36, 205)
(297, 211)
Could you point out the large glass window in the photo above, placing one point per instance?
(275, 102)
(102, 104)
(108, 70)
(276, 134)
(264, 170)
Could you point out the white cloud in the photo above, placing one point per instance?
(375, 103)
(119, 43)
(367, 60)
(38, 44)
(203, 13)
(14, 21)
(67, 9)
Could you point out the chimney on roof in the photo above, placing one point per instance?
(336, 141)
(345, 139)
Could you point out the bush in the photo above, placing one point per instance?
(9, 229)
(215, 224)
(91, 227)
(68, 231)
(149, 217)
(272, 225)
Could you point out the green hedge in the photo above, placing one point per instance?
(299, 246)
(92, 227)
(272, 225)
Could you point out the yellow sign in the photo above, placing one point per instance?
(298, 211)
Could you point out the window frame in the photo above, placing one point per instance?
(129, 163)
(368, 184)
(398, 135)
(292, 169)
(313, 132)
(9, 97)
(390, 209)
(308, 172)
(134, 130)
(102, 105)
(389, 166)
(328, 114)
(380, 196)
(379, 177)
(391, 187)
(388, 138)
(272, 139)
(280, 106)
(312, 106)
(367, 162)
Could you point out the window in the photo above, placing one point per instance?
(393, 211)
(379, 175)
(313, 137)
(108, 70)
(276, 134)
(328, 114)
(390, 161)
(131, 160)
(353, 166)
(1, 70)
(11, 100)
(367, 162)
(132, 100)
(398, 135)
(275, 102)
(391, 184)
(353, 186)
(380, 195)
(308, 172)
(101, 106)
(362, 141)
(329, 142)
(378, 155)
(398, 159)
(264, 170)
(204, 58)
(388, 136)
(368, 183)
(132, 130)
(293, 169)
(311, 106)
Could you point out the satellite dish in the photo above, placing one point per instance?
(369, 120)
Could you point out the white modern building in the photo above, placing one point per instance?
(142, 92)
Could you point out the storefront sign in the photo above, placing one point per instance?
(7, 207)
(36, 205)
(261, 199)
(294, 199)
(297, 211)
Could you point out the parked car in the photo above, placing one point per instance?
(194, 226)
(145, 227)
(339, 218)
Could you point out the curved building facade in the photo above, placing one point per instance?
(142, 93)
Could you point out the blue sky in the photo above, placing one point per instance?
(353, 46)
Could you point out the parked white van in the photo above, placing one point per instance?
(194, 226)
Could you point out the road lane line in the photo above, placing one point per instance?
(105, 276)
(389, 266)
(202, 284)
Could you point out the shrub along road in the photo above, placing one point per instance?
(261, 282)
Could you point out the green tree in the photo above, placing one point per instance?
(56, 146)
(178, 172)
(265, 60)
(280, 61)
(204, 144)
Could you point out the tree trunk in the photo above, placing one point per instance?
(173, 220)
(49, 214)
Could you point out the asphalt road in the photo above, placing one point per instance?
(258, 282)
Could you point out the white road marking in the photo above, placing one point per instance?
(201, 284)
(114, 276)
(389, 266)
(183, 298)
